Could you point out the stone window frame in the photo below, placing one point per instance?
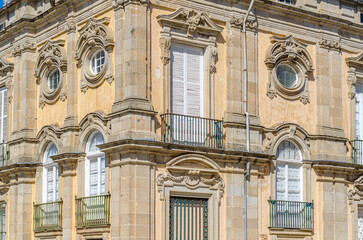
(289, 50)
(51, 56)
(95, 35)
(298, 136)
(354, 75)
(189, 27)
(195, 176)
(355, 200)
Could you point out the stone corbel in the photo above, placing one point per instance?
(123, 3)
(237, 22)
(213, 59)
(68, 163)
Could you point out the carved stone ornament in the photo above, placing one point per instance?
(289, 51)
(94, 36)
(52, 57)
(213, 59)
(6, 73)
(192, 179)
(193, 172)
(26, 46)
(286, 131)
(356, 194)
(238, 22)
(330, 44)
(192, 22)
(355, 71)
(123, 3)
(165, 45)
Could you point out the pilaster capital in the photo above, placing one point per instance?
(117, 4)
(330, 44)
(237, 22)
(68, 163)
(70, 27)
(27, 46)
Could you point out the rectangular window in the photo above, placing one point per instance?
(359, 111)
(3, 123)
(187, 80)
(361, 17)
(188, 218)
(96, 176)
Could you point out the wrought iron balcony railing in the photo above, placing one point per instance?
(3, 154)
(93, 211)
(48, 216)
(289, 214)
(194, 131)
(357, 151)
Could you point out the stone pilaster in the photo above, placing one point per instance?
(132, 193)
(133, 116)
(21, 180)
(235, 119)
(70, 128)
(68, 163)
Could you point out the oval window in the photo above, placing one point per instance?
(286, 75)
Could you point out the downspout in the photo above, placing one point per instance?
(247, 174)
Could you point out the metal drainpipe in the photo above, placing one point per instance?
(247, 115)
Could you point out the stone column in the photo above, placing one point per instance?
(132, 112)
(21, 197)
(68, 163)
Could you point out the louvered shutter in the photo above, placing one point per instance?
(281, 182)
(294, 183)
(93, 177)
(5, 115)
(193, 82)
(50, 184)
(177, 80)
(103, 175)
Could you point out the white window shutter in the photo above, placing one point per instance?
(280, 182)
(5, 115)
(359, 110)
(177, 80)
(193, 82)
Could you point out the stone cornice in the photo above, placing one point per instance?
(68, 162)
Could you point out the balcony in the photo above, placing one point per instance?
(193, 131)
(291, 215)
(48, 216)
(93, 211)
(356, 153)
(3, 154)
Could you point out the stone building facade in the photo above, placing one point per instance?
(132, 119)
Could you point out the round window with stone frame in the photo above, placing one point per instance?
(52, 82)
(289, 78)
(96, 64)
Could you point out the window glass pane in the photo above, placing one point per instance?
(97, 61)
(360, 223)
(94, 141)
(53, 80)
(286, 75)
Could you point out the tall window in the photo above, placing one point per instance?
(50, 175)
(186, 80)
(288, 172)
(359, 111)
(95, 166)
(360, 223)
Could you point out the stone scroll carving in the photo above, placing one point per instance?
(293, 52)
(95, 35)
(355, 71)
(51, 56)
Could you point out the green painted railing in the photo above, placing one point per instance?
(189, 130)
(289, 214)
(3, 154)
(188, 218)
(2, 235)
(48, 216)
(357, 151)
(93, 211)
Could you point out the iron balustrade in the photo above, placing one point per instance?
(48, 216)
(357, 151)
(93, 211)
(290, 214)
(3, 154)
(190, 130)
